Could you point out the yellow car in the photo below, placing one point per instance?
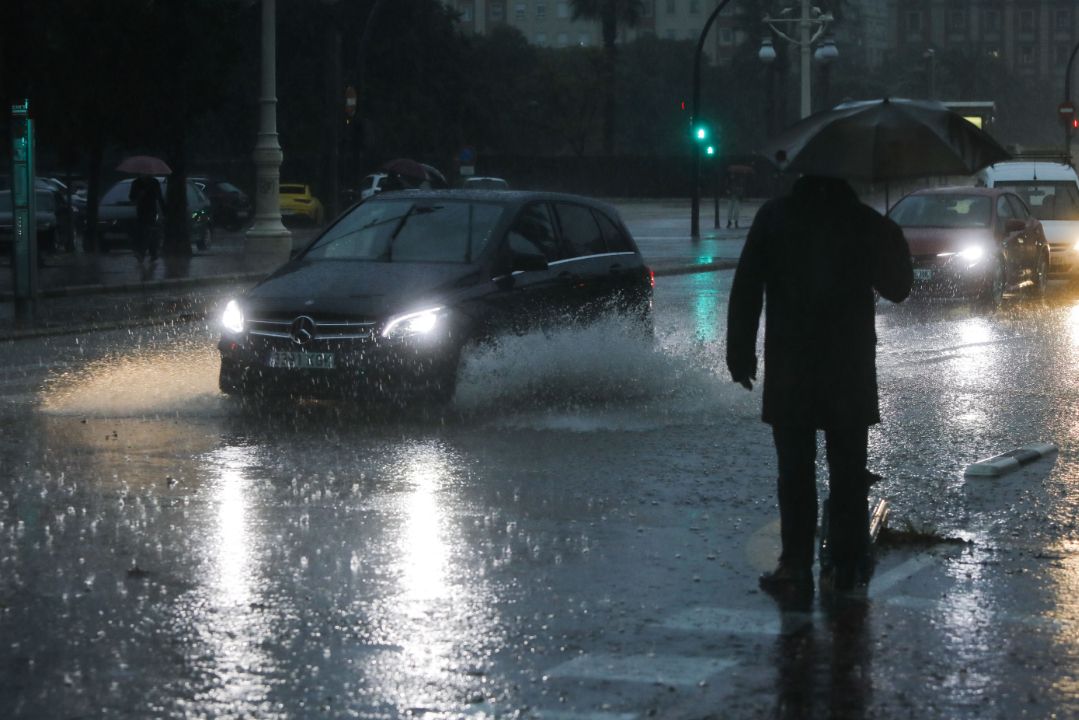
(297, 203)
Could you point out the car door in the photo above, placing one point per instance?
(523, 300)
(629, 279)
(1032, 237)
(1012, 239)
(584, 269)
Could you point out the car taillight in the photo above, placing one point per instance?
(651, 276)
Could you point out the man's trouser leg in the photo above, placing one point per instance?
(848, 523)
(796, 452)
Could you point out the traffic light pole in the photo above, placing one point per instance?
(1068, 129)
(695, 207)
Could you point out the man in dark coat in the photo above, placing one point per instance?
(818, 254)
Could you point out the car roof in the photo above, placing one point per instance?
(1029, 170)
(506, 197)
(962, 190)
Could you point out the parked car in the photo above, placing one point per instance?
(297, 202)
(973, 242)
(485, 183)
(1051, 190)
(50, 224)
(116, 220)
(230, 206)
(386, 298)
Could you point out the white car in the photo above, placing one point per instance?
(372, 185)
(1051, 191)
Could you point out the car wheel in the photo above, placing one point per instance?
(1041, 274)
(993, 294)
(231, 379)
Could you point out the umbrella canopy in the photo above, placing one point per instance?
(435, 176)
(887, 139)
(406, 168)
(144, 165)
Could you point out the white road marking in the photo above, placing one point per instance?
(883, 582)
(661, 669)
(716, 620)
(934, 605)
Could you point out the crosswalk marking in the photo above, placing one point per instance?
(663, 669)
(884, 582)
(737, 622)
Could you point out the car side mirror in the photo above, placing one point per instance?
(1014, 225)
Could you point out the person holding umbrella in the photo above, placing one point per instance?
(145, 193)
(819, 254)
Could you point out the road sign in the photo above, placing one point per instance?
(1066, 111)
(467, 156)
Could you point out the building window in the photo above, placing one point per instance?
(563, 39)
(562, 10)
(670, 7)
(649, 6)
(497, 10)
(991, 21)
(1026, 54)
(726, 36)
(957, 21)
(466, 12)
(584, 39)
(694, 6)
(672, 34)
(1026, 21)
(541, 9)
(541, 39)
(1064, 21)
(519, 11)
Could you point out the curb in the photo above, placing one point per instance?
(1006, 462)
(142, 287)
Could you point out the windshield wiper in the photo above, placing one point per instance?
(414, 210)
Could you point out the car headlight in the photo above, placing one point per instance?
(972, 254)
(233, 317)
(422, 322)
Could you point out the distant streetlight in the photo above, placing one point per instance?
(811, 24)
(268, 239)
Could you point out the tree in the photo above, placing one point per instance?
(610, 14)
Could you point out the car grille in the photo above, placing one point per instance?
(325, 329)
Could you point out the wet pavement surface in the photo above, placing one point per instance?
(572, 540)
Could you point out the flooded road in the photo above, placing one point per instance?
(578, 537)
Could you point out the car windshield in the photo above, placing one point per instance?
(120, 193)
(950, 211)
(446, 231)
(1048, 200)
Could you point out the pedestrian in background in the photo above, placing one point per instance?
(145, 192)
(737, 178)
(818, 254)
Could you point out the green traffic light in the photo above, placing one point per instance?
(702, 133)
(710, 150)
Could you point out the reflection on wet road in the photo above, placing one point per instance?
(572, 540)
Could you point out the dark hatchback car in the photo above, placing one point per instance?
(972, 242)
(388, 296)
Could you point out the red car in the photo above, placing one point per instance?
(973, 242)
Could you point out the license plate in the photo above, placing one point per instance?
(923, 274)
(301, 360)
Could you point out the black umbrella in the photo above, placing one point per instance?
(887, 139)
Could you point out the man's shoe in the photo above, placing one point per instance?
(787, 580)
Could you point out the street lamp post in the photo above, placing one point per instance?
(695, 210)
(811, 24)
(268, 242)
